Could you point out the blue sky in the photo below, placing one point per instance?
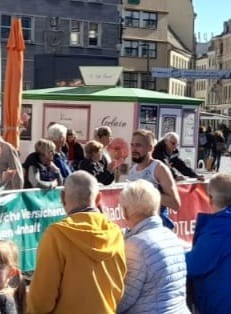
(210, 16)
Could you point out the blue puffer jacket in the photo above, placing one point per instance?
(155, 281)
(209, 263)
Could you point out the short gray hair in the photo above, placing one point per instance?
(170, 135)
(219, 189)
(56, 132)
(81, 189)
(140, 197)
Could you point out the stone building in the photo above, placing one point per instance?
(217, 56)
(137, 34)
(155, 34)
(61, 35)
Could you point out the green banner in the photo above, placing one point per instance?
(23, 218)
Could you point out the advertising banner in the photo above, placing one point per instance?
(23, 218)
(191, 74)
(24, 215)
(194, 199)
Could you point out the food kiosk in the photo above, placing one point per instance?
(86, 107)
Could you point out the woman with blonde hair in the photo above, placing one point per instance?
(12, 285)
(40, 170)
(103, 135)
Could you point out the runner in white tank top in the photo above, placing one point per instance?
(153, 170)
(147, 173)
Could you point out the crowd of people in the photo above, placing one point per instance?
(85, 264)
(211, 146)
(57, 156)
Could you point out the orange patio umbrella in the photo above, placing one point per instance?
(13, 83)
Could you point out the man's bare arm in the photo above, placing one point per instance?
(169, 193)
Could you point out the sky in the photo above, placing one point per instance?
(210, 17)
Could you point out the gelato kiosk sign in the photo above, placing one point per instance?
(101, 76)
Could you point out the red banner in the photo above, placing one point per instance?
(111, 207)
(194, 199)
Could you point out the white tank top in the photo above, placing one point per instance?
(147, 173)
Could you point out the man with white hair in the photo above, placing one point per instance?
(156, 277)
(57, 134)
(166, 151)
(81, 259)
(209, 261)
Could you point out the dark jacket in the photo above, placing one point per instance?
(172, 160)
(98, 170)
(31, 160)
(46, 174)
(210, 140)
(209, 262)
(219, 143)
(77, 151)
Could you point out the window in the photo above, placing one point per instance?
(149, 20)
(174, 61)
(75, 33)
(130, 79)
(93, 34)
(131, 48)
(148, 49)
(140, 19)
(132, 19)
(27, 27)
(173, 88)
(147, 81)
